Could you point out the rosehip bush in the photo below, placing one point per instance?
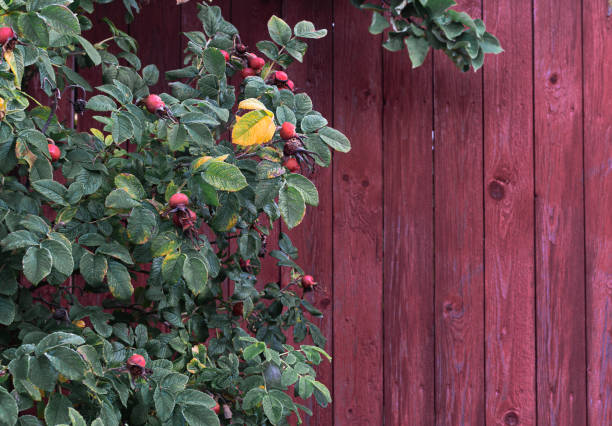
(178, 189)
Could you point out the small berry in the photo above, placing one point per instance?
(308, 281)
(247, 72)
(292, 165)
(290, 85)
(137, 360)
(287, 130)
(241, 48)
(154, 103)
(54, 152)
(238, 309)
(225, 55)
(179, 200)
(217, 408)
(256, 62)
(6, 34)
(281, 76)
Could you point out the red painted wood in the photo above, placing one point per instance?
(313, 237)
(597, 29)
(357, 194)
(251, 17)
(408, 235)
(559, 214)
(157, 30)
(459, 261)
(509, 221)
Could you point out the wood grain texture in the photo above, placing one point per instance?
(561, 367)
(509, 218)
(358, 221)
(157, 29)
(459, 262)
(313, 237)
(409, 371)
(251, 17)
(597, 38)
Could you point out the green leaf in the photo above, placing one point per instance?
(306, 29)
(195, 274)
(379, 23)
(253, 350)
(101, 103)
(76, 418)
(214, 62)
(279, 31)
(306, 187)
(490, 44)
(42, 373)
(164, 403)
(37, 264)
(269, 49)
(224, 176)
(56, 411)
(130, 184)
(90, 49)
(291, 205)
(119, 280)
(297, 49)
(120, 200)
(56, 339)
(335, 139)
(116, 250)
(252, 398)
(150, 75)
(35, 223)
(312, 123)
(93, 267)
(197, 415)
(122, 127)
(436, 7)
(8, 408)
(34, 28)
(68, 362)
(61, 255)
(7, 311)
(141, 225)
(417, 50)
(195, 397)
(273, 409)
(52, 190)
(289, 377)
(61, 19)
(19, 239)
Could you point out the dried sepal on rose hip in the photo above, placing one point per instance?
(184, 219)
(155, 105)
(294, 148)
(137, 366)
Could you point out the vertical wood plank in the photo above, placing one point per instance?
(561, 366)
(157, 29)
(509, 219)
(358, 209)
(313, 237)
(597, 27)
(459, 262)
(409, 370)
(251, 17)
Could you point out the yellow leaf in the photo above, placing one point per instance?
(10, 59)
(254, 128)
(251, 104)
(98, 134)
(199, 162)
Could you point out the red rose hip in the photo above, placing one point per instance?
(54, 152)
(290, 85)
(308, 281)
(292, 165)
(281, 76)
(287, 130)
(225, 55)
(136, 360)
(154, 103)
(6, 34)
(256, 62)
(247, 72)
(179, 200)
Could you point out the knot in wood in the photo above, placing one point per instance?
(511, 418)
(497, 190)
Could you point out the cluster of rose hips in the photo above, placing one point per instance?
(294, 152)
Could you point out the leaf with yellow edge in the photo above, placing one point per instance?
(251, 104)
(254, 128)
(199, 162)
(9, 56)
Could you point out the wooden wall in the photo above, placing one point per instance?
(464, 246)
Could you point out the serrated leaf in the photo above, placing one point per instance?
(312, 123)
(67, 362)
(214, 62)
(150, 75)
(37, 263)
(119, 280)
(195, 274)
(56, 410)
(61, 255)
(121, 200)
(224, 176)
(130, 184)
(93, 268)
(417, 50)
(61, 19)
(34, 28)
(141, 225)
(273, 409)
(279, 31)
(101, 103)
(335, 139)
(306, 29)
(251, 104)
(19, 239)
(8, 407)
(306, 187)
(7, 311)
(379, 23)
(292, 206)
(52, 190)
(254, 128)
(58, 338)
(93, 54)
(197, 415)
